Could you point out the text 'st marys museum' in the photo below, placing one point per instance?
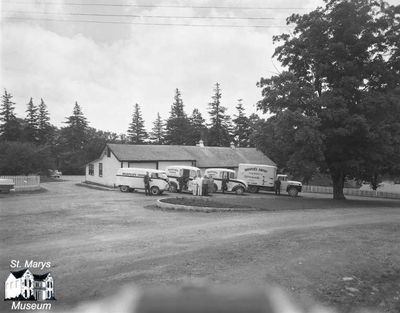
(114, 156)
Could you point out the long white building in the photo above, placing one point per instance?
(114, 156)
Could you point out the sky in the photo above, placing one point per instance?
(50, 50)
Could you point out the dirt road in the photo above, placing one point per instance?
(99, 240)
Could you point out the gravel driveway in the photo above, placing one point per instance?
(100, 240)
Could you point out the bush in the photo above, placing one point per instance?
(21, 158)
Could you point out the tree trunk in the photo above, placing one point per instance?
(338, 185)
(374, 181)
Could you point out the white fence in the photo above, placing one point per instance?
(352, 192)
(25, 183)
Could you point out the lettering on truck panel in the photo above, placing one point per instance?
(256, 169)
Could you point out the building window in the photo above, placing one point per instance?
(101, 169)
(108, 153)
(91, 169)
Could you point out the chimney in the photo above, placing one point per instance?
(233, 145)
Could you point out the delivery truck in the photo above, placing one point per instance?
(181, 177)
(131, 178)
(223, 174)
(262, 177)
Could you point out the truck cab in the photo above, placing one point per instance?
(232, 183)
(181, 177)
(290, 186)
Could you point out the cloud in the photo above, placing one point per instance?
(108, 68)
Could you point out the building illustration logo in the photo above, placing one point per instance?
(23, 285)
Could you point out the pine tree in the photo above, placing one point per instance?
(255, 123)
(157, 133)
(76, 132)
(44, 126)
(10, 128)
(219, 131)
(31, 123)
(177, 126)
(136, 132)
(242, 129)
(198, 130)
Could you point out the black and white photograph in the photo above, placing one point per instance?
(200, 156)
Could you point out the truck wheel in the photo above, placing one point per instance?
(124, 188)
(173, 187)
(155, 190)
(215, 188)
(293, 191)
(253, 189)
(239, 190)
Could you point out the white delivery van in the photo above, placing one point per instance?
(131, 178)
(232, 184)
(181, 177)
(262, 177)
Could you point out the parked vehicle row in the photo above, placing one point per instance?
(251, 178)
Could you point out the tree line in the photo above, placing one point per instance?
(32, 144)
(183, 129)
(335, 109)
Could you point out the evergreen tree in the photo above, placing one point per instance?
(177, 126)
(45, 130)
(219, 131)
(198, 129)
(255, 123)
(76, 132)
(10, 128)
(136, 132)
(157, 133)
(242, 128)
(31, 123)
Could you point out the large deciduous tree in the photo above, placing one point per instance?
(343, 80)
(137, 133)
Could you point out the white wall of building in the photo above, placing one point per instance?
(110, 166)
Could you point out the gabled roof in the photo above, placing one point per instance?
(204, 156)
(40, 277)
(19, 274)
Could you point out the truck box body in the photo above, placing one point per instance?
(263, 177)
(259, 175)
(129, 178)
